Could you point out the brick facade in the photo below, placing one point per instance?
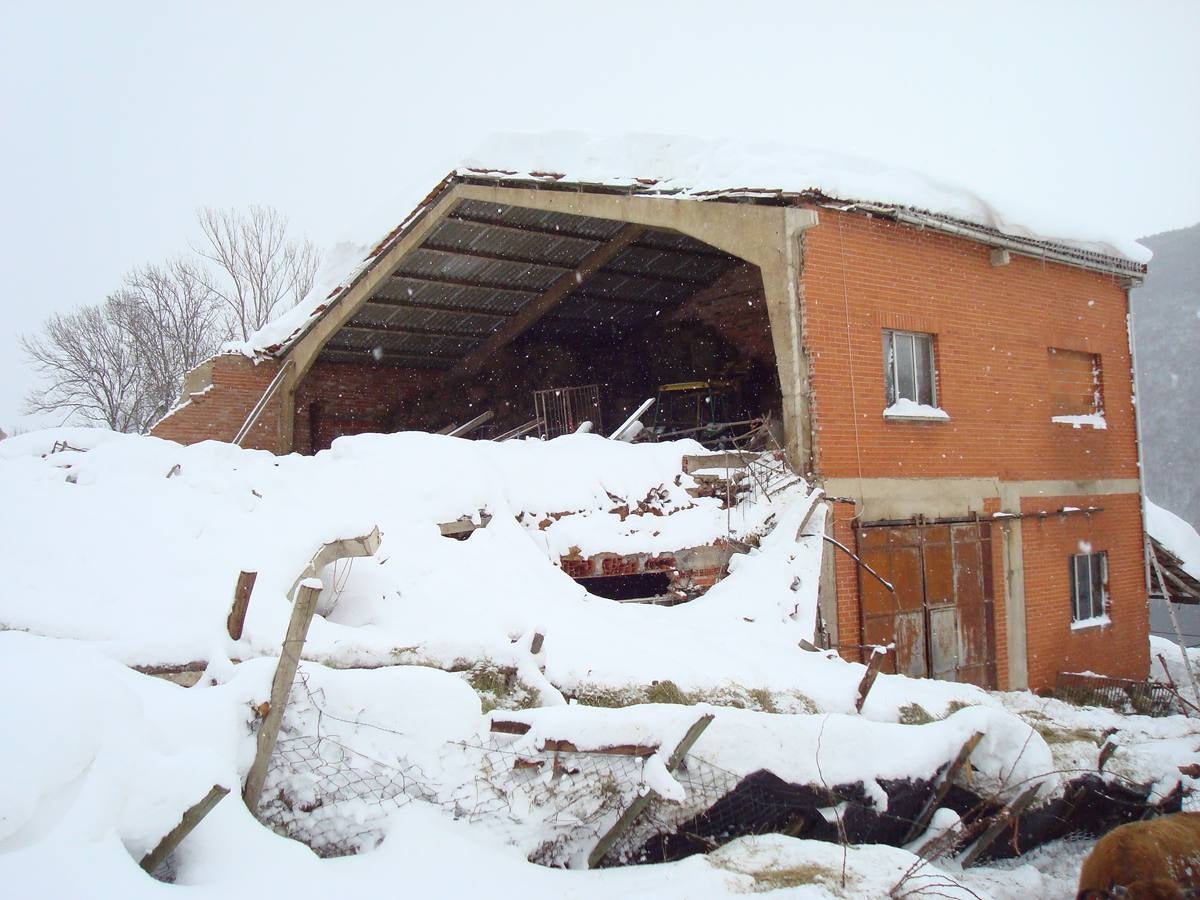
(993, 327)
(337, 399)
(736, 307)
(1120, 649)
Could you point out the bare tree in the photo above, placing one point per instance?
(256, 270)
(121, 363)
(90, 368)
(174, 323)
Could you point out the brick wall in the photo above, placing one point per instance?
(1120, 649)
(218, 412)
(351, 398)
(736, 307)
(992, 325)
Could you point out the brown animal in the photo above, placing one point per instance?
(1159, 858)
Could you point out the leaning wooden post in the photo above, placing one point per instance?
(281, 686)
(869, 676)
(191, 818)
(241, 602)
(640, 803)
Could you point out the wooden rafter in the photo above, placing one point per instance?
(535, 309)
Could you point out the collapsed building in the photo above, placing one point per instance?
(960, 388)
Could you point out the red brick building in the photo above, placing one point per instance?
(962, 393)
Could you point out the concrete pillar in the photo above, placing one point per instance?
(1014, 591)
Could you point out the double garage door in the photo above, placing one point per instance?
(940, 618)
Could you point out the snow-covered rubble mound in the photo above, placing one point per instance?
(124, 551)
(135, 545)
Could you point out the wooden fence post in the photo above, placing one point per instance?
(241, 602)
(868, 679)
(281, 686)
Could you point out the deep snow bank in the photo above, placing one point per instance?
(135, 545)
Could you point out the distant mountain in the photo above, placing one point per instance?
(1166, 319)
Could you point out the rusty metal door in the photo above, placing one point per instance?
(940, 616)
(899, 618)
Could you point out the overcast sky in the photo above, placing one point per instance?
(121, 119)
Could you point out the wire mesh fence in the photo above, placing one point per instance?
(333, 783)
(1147, 698)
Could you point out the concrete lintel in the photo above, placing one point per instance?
(901, 498)
(752, 232)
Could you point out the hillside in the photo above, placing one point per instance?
(1166, 313)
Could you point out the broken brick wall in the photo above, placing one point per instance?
(216, 410)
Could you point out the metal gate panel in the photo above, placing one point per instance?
(940, 618)
(943, 642)
(894, 618)
(972, 596)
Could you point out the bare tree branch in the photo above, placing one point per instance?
(255, 270)
(174, 324)
(121, 363)
(89, 367)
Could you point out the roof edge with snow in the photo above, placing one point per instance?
(963, 215)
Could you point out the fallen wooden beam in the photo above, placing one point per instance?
(345, 548)
(552, 745)
(191, 818)
(640, 803)
(467, 427)
(1001, 821)
(921, 822)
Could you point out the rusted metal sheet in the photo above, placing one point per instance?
(973, 597)
(943, 642)
(940, 618)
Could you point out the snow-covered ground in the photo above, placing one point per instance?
(126, 554)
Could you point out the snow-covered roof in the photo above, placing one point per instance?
(705, 170)
(1182, 544)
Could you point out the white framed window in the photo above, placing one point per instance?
(908, 369)
(1089, 591)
